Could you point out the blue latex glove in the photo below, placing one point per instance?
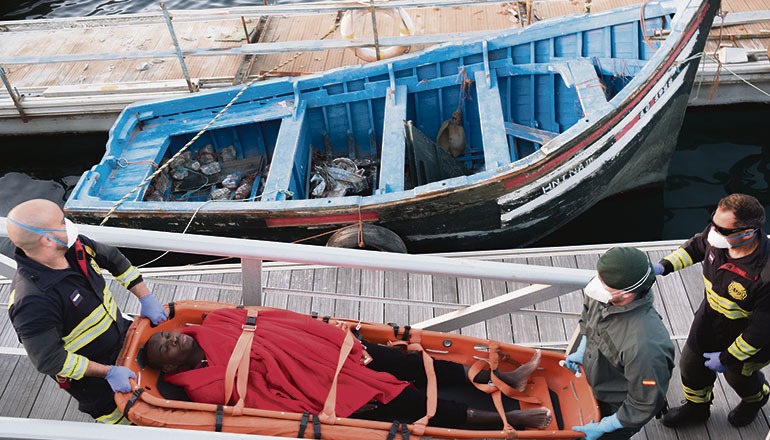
(576, 358)
(713, 362)
(658, 268)
(152, 309)
(595, 430)
(118, 377)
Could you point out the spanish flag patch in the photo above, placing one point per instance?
(649, 382)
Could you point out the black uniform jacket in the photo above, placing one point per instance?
(734, 316)
(64, 319)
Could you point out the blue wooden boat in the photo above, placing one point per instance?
(548, 120)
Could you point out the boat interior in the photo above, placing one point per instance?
(381, 128)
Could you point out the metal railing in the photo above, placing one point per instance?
(545, 282)
(556, 281)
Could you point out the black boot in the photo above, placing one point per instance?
(687, 414)
(745, 413)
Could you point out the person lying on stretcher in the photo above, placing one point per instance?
(292, 363)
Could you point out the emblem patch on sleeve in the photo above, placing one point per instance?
(76, 297)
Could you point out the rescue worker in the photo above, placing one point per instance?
(63, 312)
(730, 331)
(625, 350)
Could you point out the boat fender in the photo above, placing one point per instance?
(369, 53)
(374, 237)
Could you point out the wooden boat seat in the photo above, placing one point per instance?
(393, 142)
(291, 159)
(582, 75)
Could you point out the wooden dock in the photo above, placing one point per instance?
(402, 298)
(77, 74)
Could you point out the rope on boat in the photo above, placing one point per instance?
(160, 169)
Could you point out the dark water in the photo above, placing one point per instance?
(720, 151)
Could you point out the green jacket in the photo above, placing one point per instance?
(628, 357)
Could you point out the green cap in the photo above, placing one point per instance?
(627, 269)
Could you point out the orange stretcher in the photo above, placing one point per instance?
(552, 386)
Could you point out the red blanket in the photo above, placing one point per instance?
(293, 359)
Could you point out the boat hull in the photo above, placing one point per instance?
(530, 180)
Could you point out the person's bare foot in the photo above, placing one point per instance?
(518, 378)
(531, 418)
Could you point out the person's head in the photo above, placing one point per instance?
(38, 227)
(170, 352)
(736, 221)
(623, 274)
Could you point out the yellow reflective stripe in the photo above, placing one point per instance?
(93, 325)
(723, 305)
(679, 259)
(703, 395)
(114, 418)
(128, 276)
(741, 349)
(750, 368)
(759, 396)
(74, 366)
(12, 298)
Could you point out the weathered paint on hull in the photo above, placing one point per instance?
(628, 148)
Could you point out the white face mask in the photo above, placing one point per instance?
(719, 241)
(72, 232)
(595, 290)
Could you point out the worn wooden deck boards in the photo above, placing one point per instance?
(26, 393)
(126, 38)
(426, 21)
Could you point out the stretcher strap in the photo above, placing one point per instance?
(303, 425)
(498, 386)
(218, 418)
(431, 391)
(134, 397)
(238, 366)
(328, 415)
(396, 428)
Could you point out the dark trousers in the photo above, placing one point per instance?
(608, 409)
(409, 406)
(698, 377)
(94, 396)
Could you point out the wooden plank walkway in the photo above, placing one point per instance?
(402, 298)
(124, 59)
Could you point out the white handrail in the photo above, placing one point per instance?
(355, 258)
(27, 429)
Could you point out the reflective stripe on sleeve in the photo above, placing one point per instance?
(679, 259)
(742, 350)
(127, 277)
(74, 366)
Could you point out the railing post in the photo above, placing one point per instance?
(179, 54)
(374, 29)
(14, 95)
(251, 281)
(7, 267)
